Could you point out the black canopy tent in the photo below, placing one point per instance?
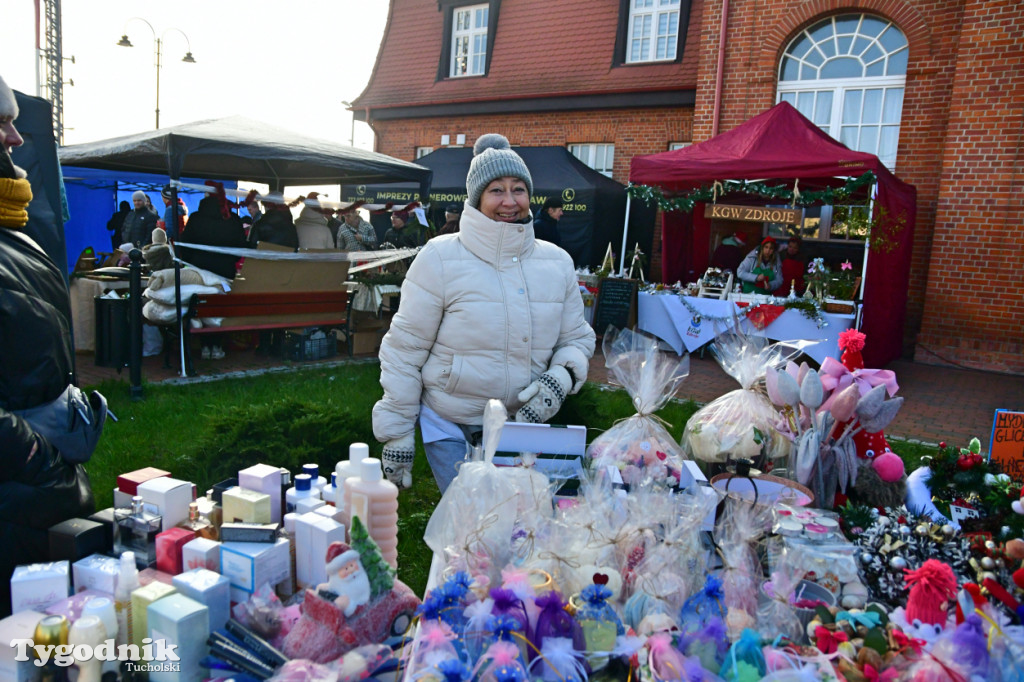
(239, 148)
(594, 204)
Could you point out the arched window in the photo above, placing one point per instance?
(847, 73)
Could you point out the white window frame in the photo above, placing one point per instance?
(598, 155)
(807, 92)
(672, 146)
(423, 151)
(652, 34)
(469, 41)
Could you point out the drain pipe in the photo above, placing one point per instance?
(720, 68)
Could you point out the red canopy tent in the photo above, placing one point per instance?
(779, 147)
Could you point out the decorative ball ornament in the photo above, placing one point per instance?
(921, 529)
(898, 563)
(987, 563)
(883, 521)
(866, 557)
(948, 530)
(990, 545)
(904, 530)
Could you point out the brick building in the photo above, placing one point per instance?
(933, 87)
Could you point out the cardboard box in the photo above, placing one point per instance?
(201, 553)
(248, 565)
(308, 504)
(96, 572)
(560, 449)
(185, 624)
(36, 586)
(314, 533)
(366, 342)
(141, 599)
(242, 505)
(74, 539)
(168, 549)
(168, 497)
(210, 589)
(105, 517)
(264, 478)
(128, 482)
(21, 625)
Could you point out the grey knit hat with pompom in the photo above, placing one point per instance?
(493, 158)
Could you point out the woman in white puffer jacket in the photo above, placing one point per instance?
(487, 312)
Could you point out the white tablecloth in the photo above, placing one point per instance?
(665, 316)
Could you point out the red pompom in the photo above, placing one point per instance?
(851, 340)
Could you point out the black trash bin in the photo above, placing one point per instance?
(112, 332)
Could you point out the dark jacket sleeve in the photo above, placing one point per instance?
(19, 440)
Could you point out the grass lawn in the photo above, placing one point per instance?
(206, 432)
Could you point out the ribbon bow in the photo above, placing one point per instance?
(872, 675)
(868, 619)
(835, 377)
(903, 641)
(828, 641)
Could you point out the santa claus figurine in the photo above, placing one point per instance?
(347, 584)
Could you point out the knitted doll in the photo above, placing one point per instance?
(883, 482)
(932, 594)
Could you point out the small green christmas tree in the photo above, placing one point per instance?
(380, 574)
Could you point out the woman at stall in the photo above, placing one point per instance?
(487, 312)
(761, 272)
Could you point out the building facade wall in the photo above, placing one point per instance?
(961, 144)
(632, 131)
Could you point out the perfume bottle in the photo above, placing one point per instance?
(210, 510)
(199, 524)
(135, 530)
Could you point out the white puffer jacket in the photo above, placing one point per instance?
(484, 312)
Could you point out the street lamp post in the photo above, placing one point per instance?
(158, 41)
(352, 130)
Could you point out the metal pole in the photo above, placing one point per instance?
(625, 234)
(135, 323)
(158, 84)
(867, 244)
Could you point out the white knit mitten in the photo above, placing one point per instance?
(542, 399)
(397, 459)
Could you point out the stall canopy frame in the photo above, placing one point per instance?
(781, 146)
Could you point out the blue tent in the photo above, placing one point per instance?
(93, 196)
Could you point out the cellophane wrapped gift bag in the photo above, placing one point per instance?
(474, 524)
(741, 423)
(639, 446)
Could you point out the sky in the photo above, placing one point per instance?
(289, 63)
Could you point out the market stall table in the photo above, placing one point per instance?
(667, 317)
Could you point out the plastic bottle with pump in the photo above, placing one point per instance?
(374, 499)
(127, 582)
(347, 469)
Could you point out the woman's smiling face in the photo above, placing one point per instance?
(505, 200)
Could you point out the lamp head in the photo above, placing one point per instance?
(124, 42)
(188, 58)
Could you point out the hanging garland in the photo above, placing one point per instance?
(807, 307)
(774, 193)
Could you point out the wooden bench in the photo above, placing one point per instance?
(262, 311)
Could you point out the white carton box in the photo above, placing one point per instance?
(168, 497)
(36, 586)
(313, 535)
(96, 572)
(201, 553)
(185, 624)
(210, 589)
(248, 565)
(308, 504)
(264, 478)
(21, 625)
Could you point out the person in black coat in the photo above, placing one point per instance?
(545, 225)
(213, 224)
(115, 224)
(38, 489)
(276, 226)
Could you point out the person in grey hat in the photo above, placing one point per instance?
(140, 221)
(486, 312)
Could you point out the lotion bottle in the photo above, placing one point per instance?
(347, 469)
(127, 582)
(375, 501)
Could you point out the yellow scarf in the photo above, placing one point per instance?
(15, 195)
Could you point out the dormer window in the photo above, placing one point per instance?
(469, 41)
(653, 32)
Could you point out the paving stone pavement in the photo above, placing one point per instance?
(941, 403)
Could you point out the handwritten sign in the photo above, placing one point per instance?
(1007, 445)
(754, 214)
(616, 304)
